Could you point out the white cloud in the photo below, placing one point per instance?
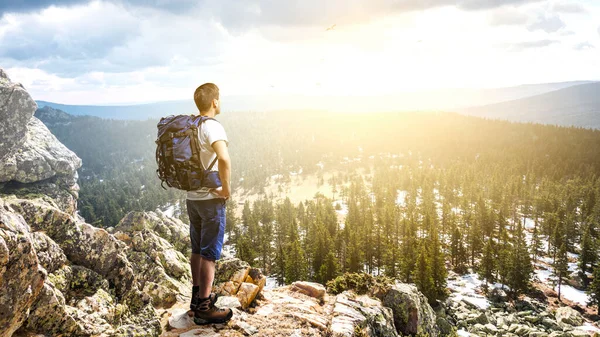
(584, 46)
(549, 23)
(74, 40)
(568, 7)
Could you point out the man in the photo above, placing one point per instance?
(206, 210)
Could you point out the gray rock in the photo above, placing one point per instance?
(39, 157)
(568, 315)
(412, 312)
(351, 312)
(21, 277)
(228, 302)
(16, 109)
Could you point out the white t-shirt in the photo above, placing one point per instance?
(210, 132)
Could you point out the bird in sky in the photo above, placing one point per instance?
(331, 27)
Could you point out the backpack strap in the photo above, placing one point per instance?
(204, 119)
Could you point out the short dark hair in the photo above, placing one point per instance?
(204, 96)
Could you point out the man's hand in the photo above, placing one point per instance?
(220, 193)
(220, 148)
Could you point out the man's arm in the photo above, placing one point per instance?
(220, 148)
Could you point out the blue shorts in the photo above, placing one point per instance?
(207, 226)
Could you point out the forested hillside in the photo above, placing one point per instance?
(420, 194)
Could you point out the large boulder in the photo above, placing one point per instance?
(96, 290)
(32, 160)
(21, 276)
(39, 157)
(16, 109)
(569, 316)
(363, 313)
(412, 312)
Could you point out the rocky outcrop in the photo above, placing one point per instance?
(412, 314)
(32, 160)
(91, 287)
(284, 311)
(16, 109)
(21, 276)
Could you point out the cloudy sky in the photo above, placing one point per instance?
(125, 51)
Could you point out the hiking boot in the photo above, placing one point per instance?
(207, 313)
(195, 299)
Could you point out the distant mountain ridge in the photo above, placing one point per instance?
(431, 100)
(577, 106)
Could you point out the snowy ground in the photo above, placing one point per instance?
(271, 283)
(543, 271)
(465, 288)
(566, 290)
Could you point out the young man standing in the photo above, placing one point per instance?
(206, 210)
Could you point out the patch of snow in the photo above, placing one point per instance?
(271, 283)
(465, 288)
(529, 223)
(573, 294)
(566, 290)
(573, 266)
(543, 275)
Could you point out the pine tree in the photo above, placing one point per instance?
(521, 269)
(536, 242)
(409, 253)
(593, 290)
(588, 254)
(561, 268)
(487, 267)
(422, 275)
(438, 268)
(295, 263)
(329, 269)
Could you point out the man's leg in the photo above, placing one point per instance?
(213, 227)
(196, 264)
(206, 277)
